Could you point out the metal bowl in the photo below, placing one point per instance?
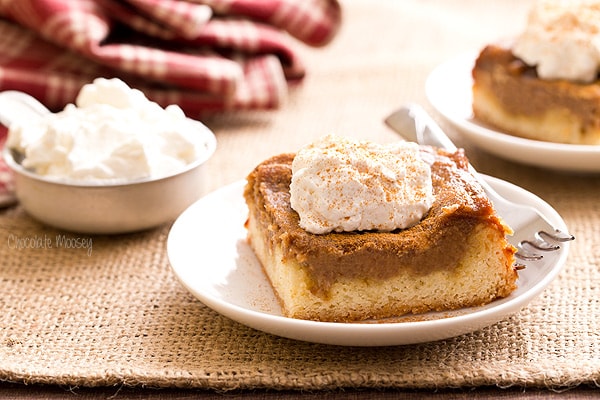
(110, 208)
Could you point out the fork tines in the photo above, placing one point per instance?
(542, 243)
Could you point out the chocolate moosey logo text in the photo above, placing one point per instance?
(17, 242)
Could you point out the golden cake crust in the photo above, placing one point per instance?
(509, 95)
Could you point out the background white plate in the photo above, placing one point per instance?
(208, 252)
(448, 89)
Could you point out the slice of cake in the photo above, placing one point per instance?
(544, 85)
(454, 255)
(509, 95)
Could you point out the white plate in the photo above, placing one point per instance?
(448, 89)
(209, 254)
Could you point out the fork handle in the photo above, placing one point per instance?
(427, 130)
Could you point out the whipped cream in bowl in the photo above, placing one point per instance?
(112, 162)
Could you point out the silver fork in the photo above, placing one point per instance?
(533, 233)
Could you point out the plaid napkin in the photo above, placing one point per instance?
(201, 54)
(7, 196)
(204, 55)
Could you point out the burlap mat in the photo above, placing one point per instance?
(112, 312)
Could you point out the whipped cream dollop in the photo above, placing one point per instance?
(339, 184)
(112, 132)
(562, 40)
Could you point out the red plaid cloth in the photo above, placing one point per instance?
(6, 178)
(204, 55)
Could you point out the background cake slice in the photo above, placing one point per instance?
(510, 96)
(544, 85)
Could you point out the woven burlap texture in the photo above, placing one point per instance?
(113, 313)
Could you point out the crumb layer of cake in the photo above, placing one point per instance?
(456, 256)
(508, 95)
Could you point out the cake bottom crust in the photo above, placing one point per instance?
(556, 125)
(480, 277)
